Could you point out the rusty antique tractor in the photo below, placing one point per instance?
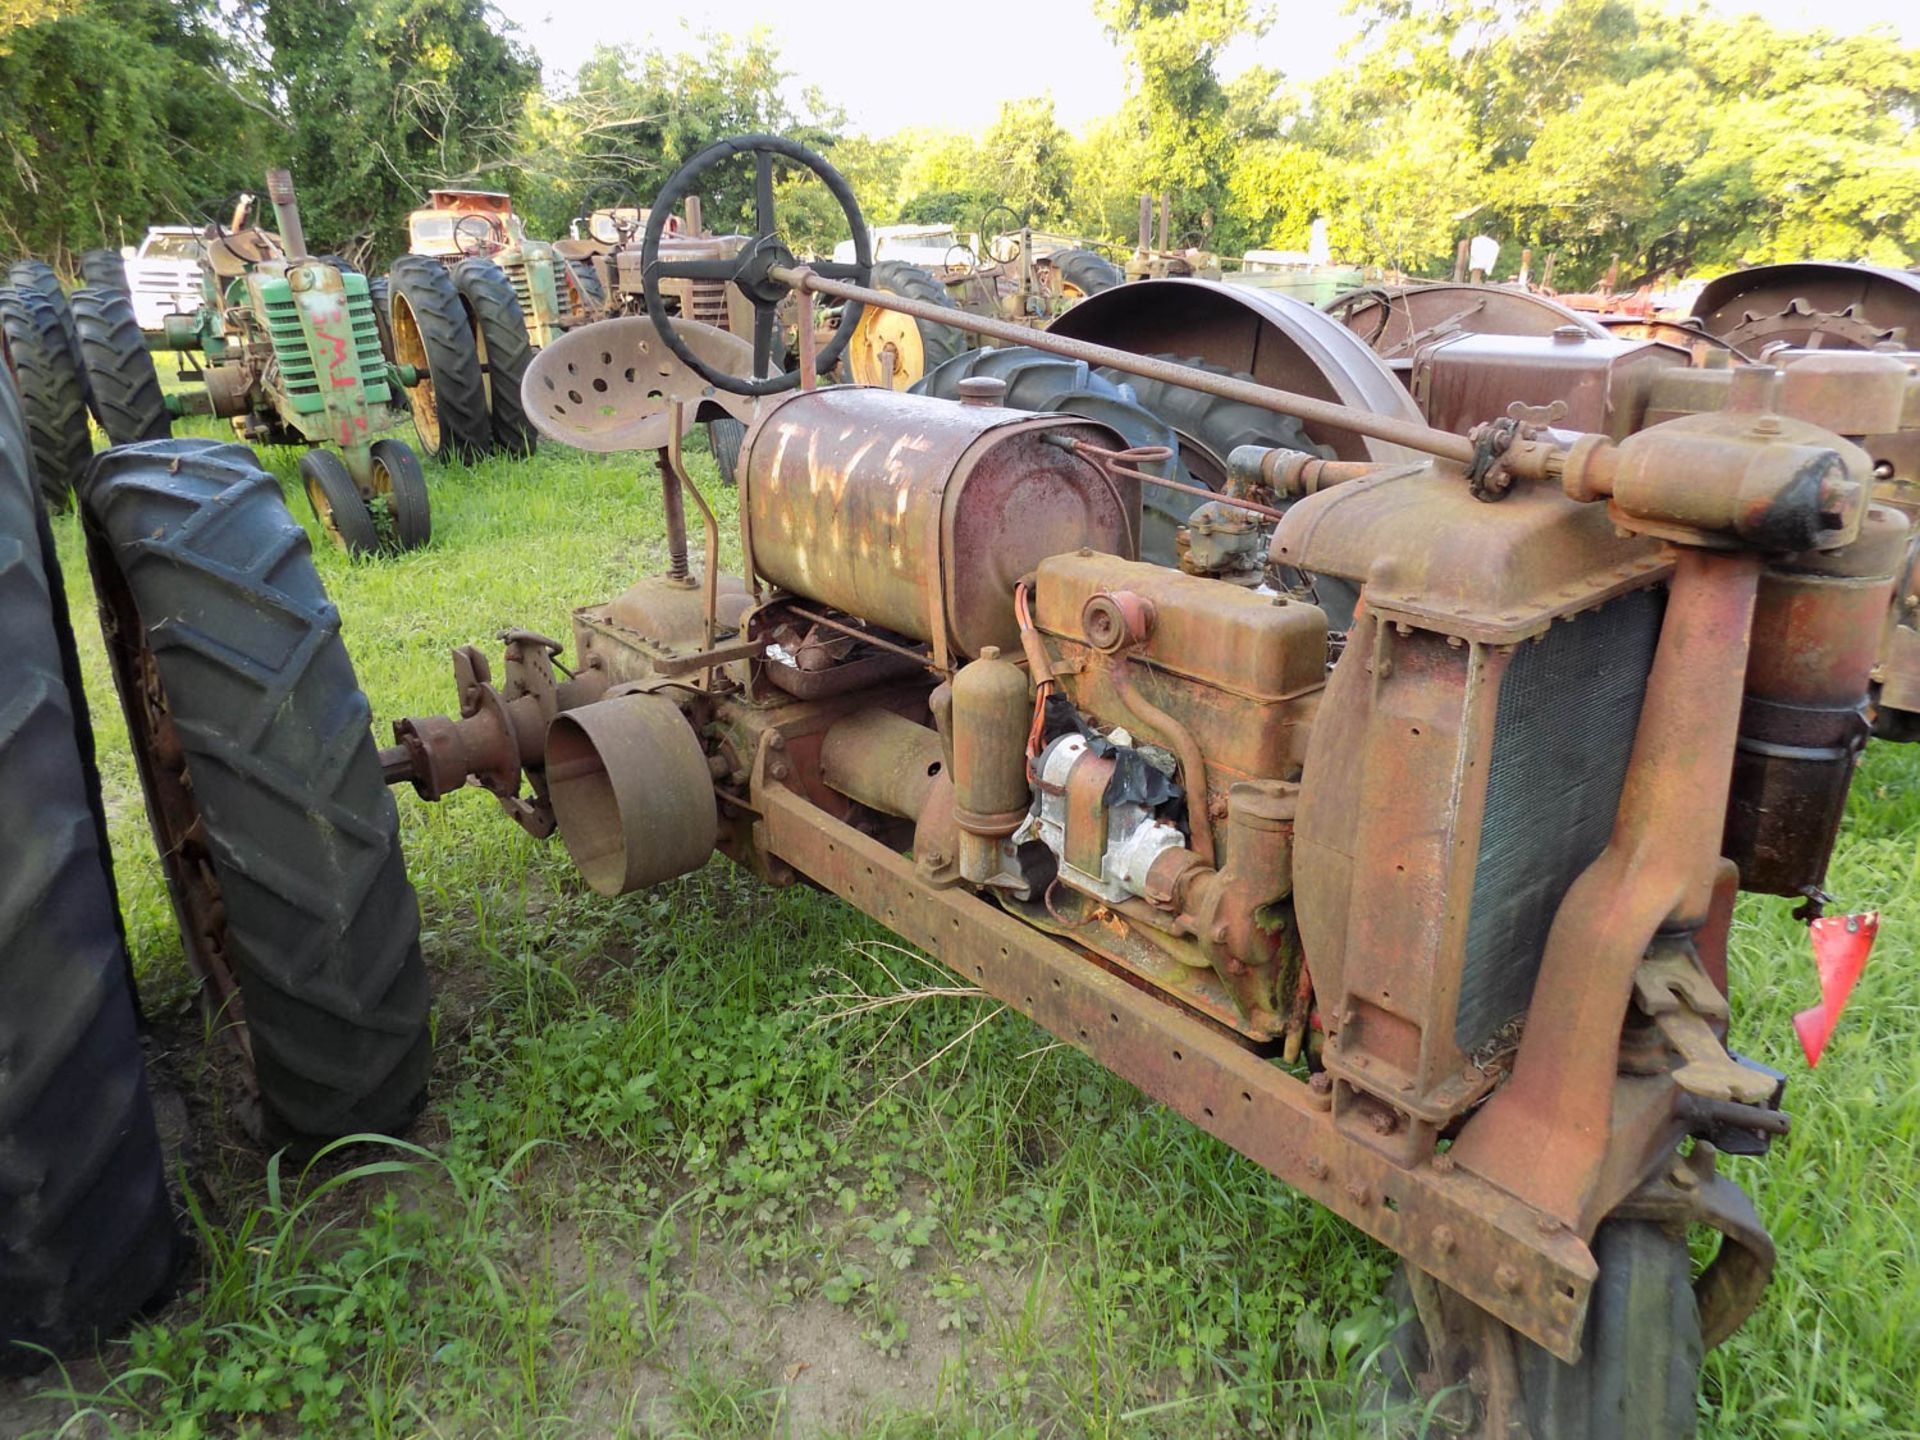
(1410, 880)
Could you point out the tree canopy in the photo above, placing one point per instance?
(1677, 139)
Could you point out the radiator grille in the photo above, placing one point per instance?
(1562, 733)
(710, 303)
(290, 346)
(522, 289)
(297, 374)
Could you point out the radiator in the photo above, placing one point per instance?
(1563, 730)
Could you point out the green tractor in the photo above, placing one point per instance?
(295, 354)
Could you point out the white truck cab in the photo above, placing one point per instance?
(164, 274)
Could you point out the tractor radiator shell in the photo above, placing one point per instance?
(1465, 765)
(306, 365)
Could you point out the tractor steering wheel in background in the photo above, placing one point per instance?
(752, 269)
(988, 234)
(486, 234)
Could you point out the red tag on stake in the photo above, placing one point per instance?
(1840, 947)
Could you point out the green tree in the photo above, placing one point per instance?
(1675, 139)
(1028, 158)
(118, 113)
(387, 99)
(1177, 102)
(633, 116)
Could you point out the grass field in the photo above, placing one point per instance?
(678, 1179)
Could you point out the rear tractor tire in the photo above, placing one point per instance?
(431, 333)
(890, 347)
(52, 391)
(500, 339)
(277, 833)
(105, 270)
(1080, 273)
(87, 1236)
(126, 388)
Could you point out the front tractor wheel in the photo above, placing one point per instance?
(1638, 1375)
(337, 504)
(398, 479)
(432, 335)
(277, 833)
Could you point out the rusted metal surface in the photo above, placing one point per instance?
(1282, 343)
(1681, 334)
(500, 734)
(1816, 635)
(1468, 1233)
(919, 516)
(607, 387)
(1812, 304)
(1485, 854)
(1535, 1137)
(1396, 321)
(632, 792)
(884, 761)
(1600, 384)
(987, 725)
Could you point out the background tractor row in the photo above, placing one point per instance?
(1390, 833)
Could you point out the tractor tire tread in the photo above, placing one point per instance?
(459, 389)
(51, 392)
(126, 388)
(322, 924)
(503, 326)
(105, 270)
(1087, 271)
(87, 1234)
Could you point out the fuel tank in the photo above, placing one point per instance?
(920, 515)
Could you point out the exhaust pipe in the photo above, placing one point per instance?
(280, 190)
(632, 792)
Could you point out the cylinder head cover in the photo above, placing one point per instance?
(920, 515)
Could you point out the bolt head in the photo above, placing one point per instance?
(1506, 1279)
(1444, 1239)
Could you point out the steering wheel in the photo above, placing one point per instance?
(989, 233)
(488, 236)
(752, 269)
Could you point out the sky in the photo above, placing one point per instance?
(895, 63)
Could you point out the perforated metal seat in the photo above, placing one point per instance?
(608, 386)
